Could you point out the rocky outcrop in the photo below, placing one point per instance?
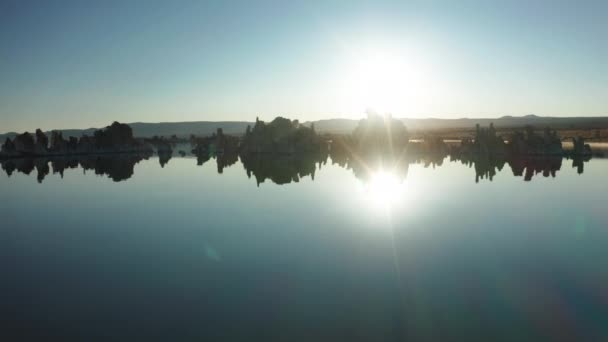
(530, 143)
(58, 144)
(579, 148)
(217, 143)
(24, 144)
(280, 136)
(42, 143)
(380, 133)
(116, 138)
(8, 149)
(485, 142)
(526, 143)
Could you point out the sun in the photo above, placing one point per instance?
(385, 82)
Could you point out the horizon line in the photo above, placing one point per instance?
(319, 120)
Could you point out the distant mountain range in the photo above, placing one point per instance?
(204, 128)
(346, 125)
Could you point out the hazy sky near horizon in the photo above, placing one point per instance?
(78, 64)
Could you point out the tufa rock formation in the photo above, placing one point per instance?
(116, 138)
(280, 136)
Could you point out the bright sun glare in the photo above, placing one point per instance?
(385, 83)
(384, 189)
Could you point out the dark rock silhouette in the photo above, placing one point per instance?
(164, 149)
(225, 160)
(487, 166)
(8, 149)
(485, 142)
(380, 133)
(42, 167)
(58, 144)
(22, 165)
(285, 151)
(530, 143)
(164, 157)
(580, 148)
(218, 143)
(116, 167)
(116, 138)
(162, 145)
(578, 162)
(42, 143)
(526, 143)
(202, 158)
(25, 144)
(280, 136)
(60, 164)
(9, 166)
(284, 169)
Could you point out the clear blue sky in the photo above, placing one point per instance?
(77, 64)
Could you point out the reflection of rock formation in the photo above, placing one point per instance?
(202, 158)
(25, 166)
(365, 161)
(486, 167)
(225, 160)
(547, 166)
(118, 167)
(219, 145)
(59, 164)
(8, 166)
(282, 169)
(42, 167)
(164, 157)
(382, 143)
(579, 163)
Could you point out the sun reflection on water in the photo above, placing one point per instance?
(385, 189)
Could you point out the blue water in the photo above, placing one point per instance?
(183, 253)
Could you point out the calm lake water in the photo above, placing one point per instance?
(184, 253)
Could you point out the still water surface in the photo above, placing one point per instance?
(184, 253)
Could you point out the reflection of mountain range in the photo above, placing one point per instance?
(206, 128)
(285, 169)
